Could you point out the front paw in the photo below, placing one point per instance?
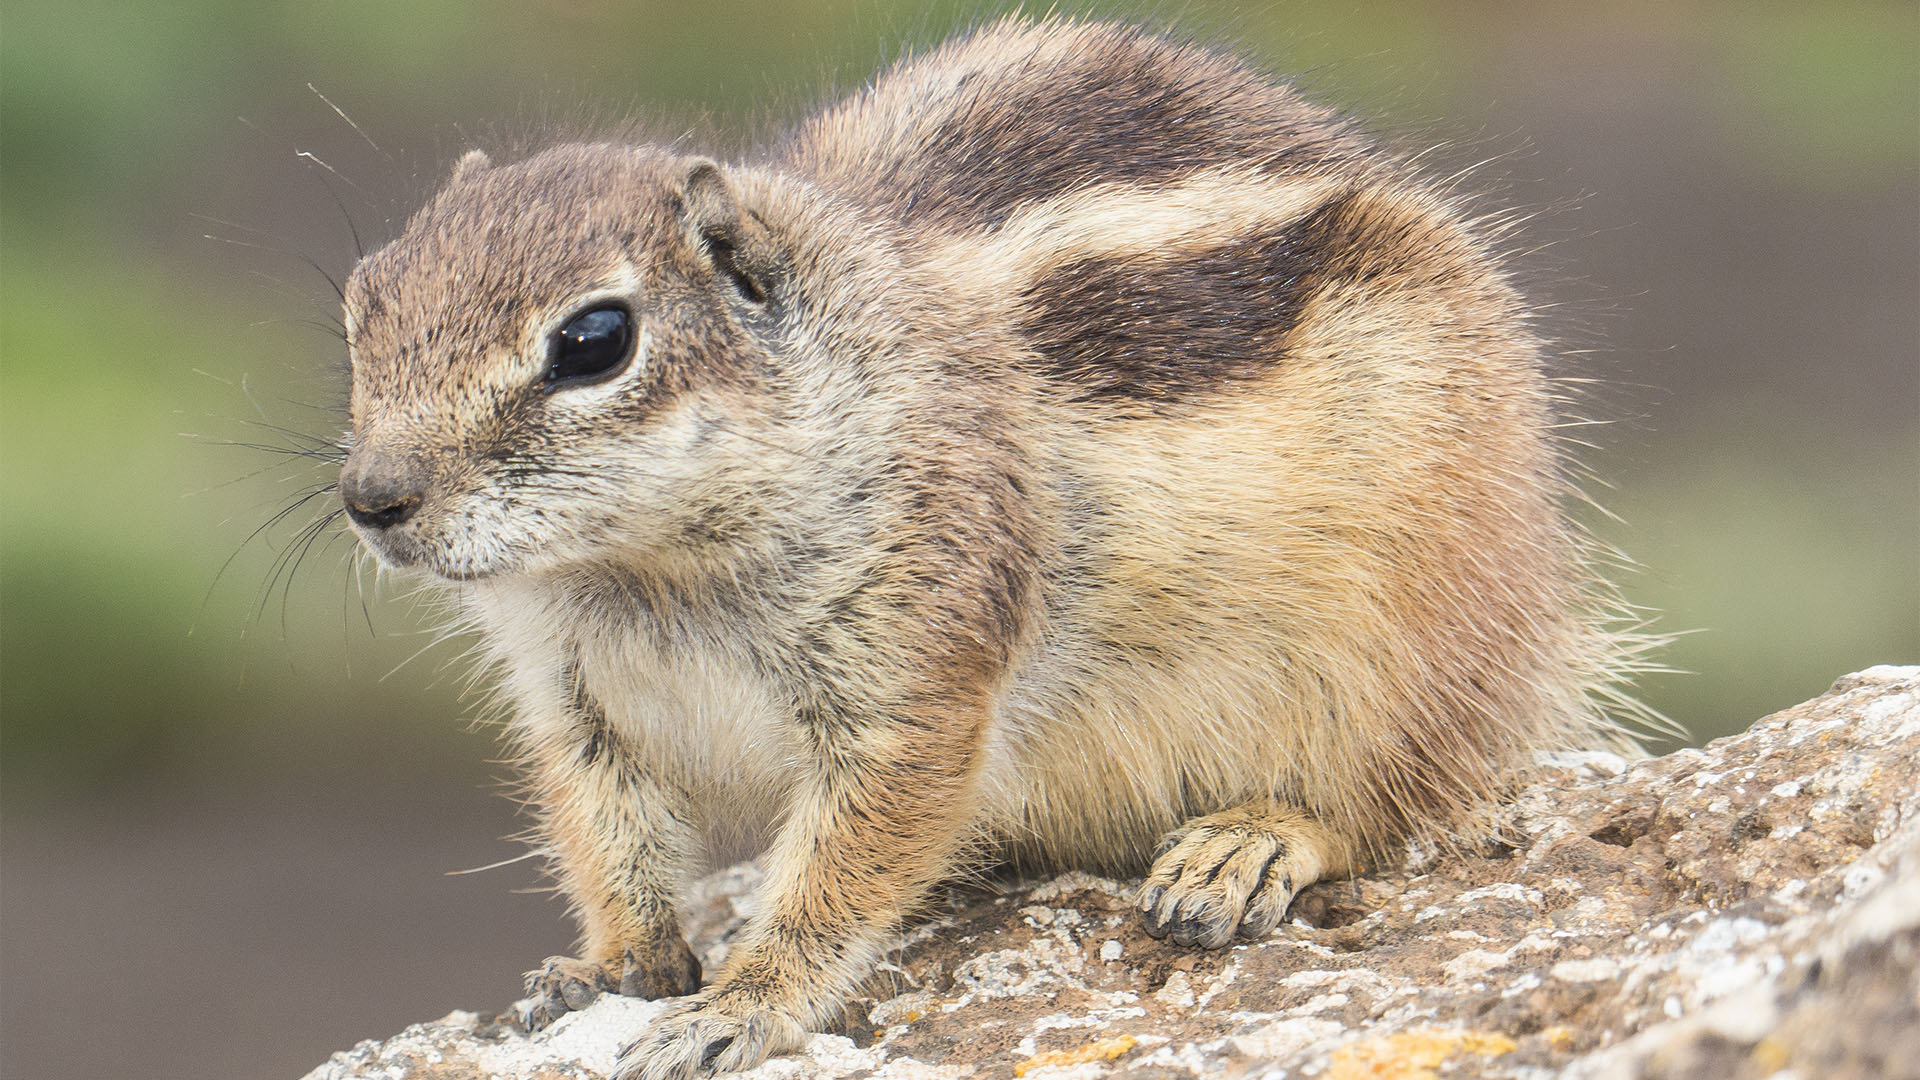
(712, 1035)
(564, 984)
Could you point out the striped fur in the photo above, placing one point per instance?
(1072, 440)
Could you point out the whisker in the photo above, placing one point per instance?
(289, 252)
(262, 471)
(295, 435)
(360, 587)
(531, 853)
(280, 575)
(357, 129)
(314, 158)
(284, 513)
(331, 456)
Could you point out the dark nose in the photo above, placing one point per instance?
(380, 491)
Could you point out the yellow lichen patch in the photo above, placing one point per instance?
(1559, 1036)
(1772, 1055)
(1103, 1050)
(1411, 1055)
(910, 1017)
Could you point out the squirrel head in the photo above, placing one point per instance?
(556, 360)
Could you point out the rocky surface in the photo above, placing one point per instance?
(1749, 909)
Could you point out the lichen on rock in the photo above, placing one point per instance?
(1736, 910)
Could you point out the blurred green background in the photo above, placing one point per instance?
(225, 823)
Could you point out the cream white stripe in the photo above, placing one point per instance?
(1109, 220)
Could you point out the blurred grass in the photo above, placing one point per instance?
(1790, 547)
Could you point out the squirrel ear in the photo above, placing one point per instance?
(471, 164)
(737, 241)
(707, 197)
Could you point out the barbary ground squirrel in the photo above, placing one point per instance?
(1072, 450)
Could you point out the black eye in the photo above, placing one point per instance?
(591, 347)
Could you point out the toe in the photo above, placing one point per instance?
(1269, 901)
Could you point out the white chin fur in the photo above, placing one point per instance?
(406, 553)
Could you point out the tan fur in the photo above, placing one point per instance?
(1072, 443)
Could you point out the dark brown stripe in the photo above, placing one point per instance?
(1153, 330)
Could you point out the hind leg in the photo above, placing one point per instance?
(1237, 870)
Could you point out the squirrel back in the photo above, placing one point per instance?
(1018, 112)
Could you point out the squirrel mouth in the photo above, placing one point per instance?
(393, 549)
(406, 553)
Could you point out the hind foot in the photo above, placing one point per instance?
(1235, 872)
